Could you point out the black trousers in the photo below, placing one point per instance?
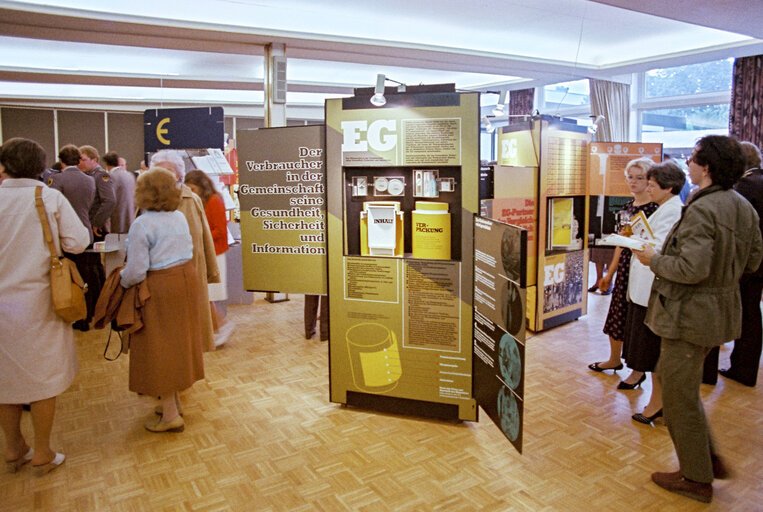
(91, 269)
(311, 315)
(745, 358)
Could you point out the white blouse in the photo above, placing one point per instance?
(641, 277)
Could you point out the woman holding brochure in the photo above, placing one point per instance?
(641, 349)
(614, 325)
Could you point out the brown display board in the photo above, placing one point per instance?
(607, 161)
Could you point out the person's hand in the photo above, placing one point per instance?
(604, 283)
(645, 254)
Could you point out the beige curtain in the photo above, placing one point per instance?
(611, 100)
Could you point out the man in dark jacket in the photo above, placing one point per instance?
(694, 304)
(99, 214)
(745, 358)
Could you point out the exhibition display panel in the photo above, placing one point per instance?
(540, 184)
(499, 324)
(402, 184)
(282, 193)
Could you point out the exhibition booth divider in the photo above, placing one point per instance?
(565, 190)
(402, 193)
(379, 209)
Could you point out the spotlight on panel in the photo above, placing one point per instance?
(378, 99)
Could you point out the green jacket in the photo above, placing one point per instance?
(695, 294)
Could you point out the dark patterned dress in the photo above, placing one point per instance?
(614, 325)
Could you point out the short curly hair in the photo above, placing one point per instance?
(667, 175)
(23, 158)
(69, 155)
(157, 190)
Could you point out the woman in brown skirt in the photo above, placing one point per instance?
(166, 353)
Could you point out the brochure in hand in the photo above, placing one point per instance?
(641, 234)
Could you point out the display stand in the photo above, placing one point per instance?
(540, 184)
(499, 324)
(608, 191)
(282, 196)
(402, 184)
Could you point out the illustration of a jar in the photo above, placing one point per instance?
(374, 357)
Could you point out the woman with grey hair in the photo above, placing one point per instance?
(614, 325)
(169, 159)
(204, 257)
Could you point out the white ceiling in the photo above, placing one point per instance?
(142, 54)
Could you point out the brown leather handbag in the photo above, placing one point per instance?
(66, 285)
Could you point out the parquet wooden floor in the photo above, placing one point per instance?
(261, 435)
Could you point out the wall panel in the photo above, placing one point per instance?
(30, 123)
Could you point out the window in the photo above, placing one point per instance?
(566, 95)
(681, 127)
(678, 105)
(706, 77)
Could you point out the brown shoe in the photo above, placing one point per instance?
(677, 483)
(720, 471)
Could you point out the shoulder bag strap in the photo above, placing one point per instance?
(45, 226)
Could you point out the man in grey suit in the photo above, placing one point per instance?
(124, 192)
(76, 186)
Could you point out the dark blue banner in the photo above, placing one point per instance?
(183, 128)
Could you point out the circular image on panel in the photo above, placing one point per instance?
(380, 184)
(511, 308)
(395, 187)
(509, 361)
(511, 244)
(509, 414)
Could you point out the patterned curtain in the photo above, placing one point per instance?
(746, 110)
(520, 104)
(611, 100)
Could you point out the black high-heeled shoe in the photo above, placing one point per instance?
(637, 384)
(595, 367)
(647, 420)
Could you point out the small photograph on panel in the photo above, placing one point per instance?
(511, 308)
(510, 361)
(511, 245)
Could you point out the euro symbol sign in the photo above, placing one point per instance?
(160, 130)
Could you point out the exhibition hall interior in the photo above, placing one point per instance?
(421, 199)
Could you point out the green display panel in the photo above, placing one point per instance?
(283, 209)
(402, 185)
